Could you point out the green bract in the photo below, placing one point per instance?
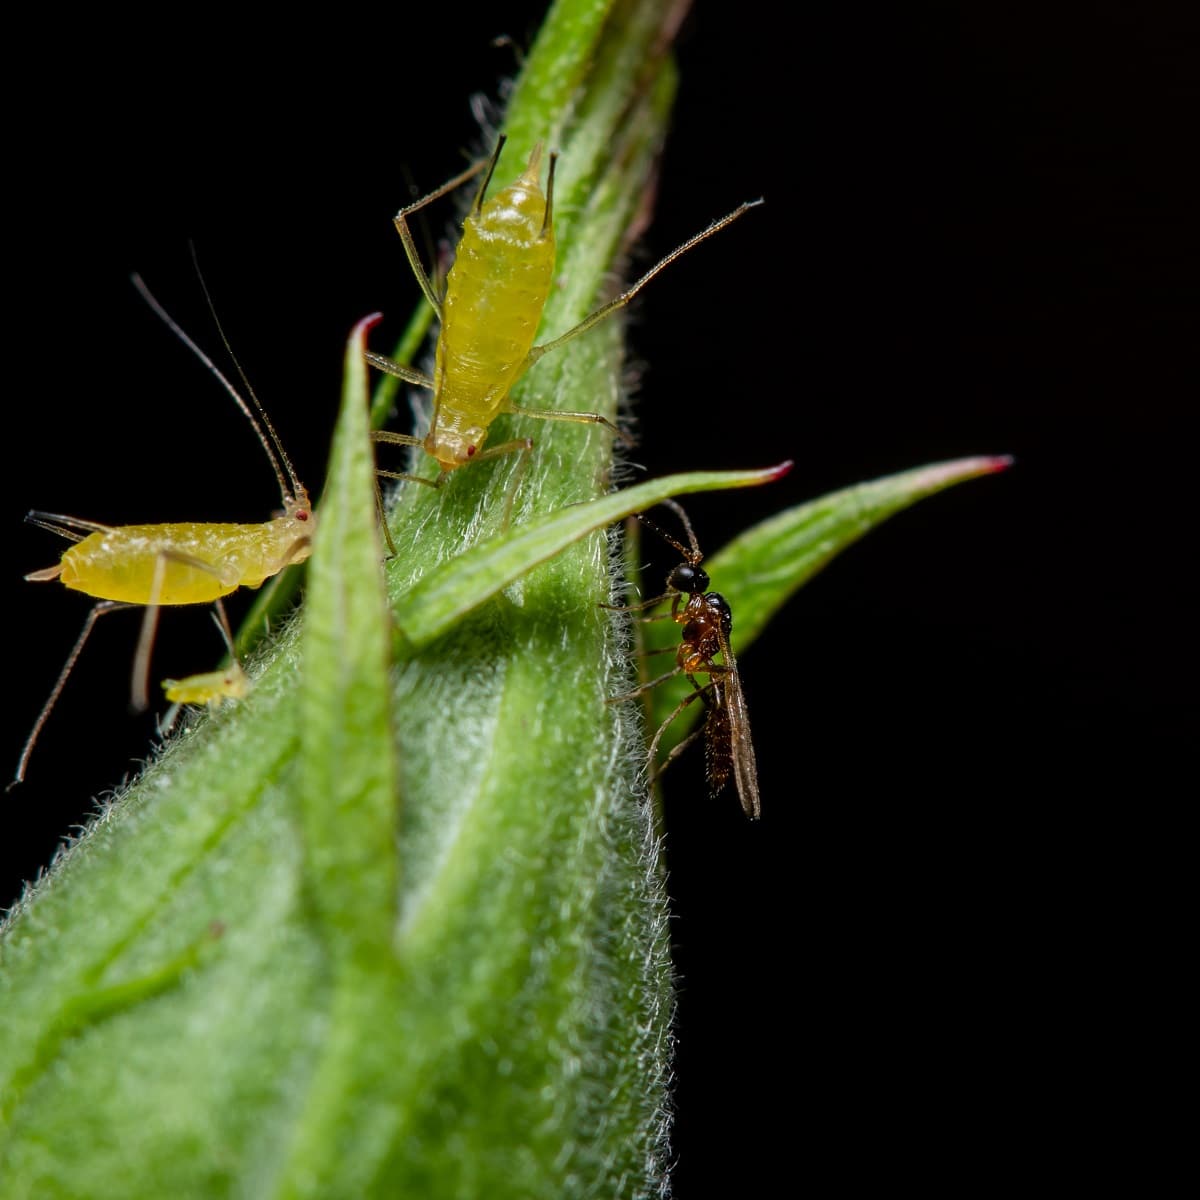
(395, 925)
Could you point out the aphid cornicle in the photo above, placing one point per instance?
(495, 292)
(170, 564)
(707, 623)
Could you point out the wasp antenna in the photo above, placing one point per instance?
(678, 510)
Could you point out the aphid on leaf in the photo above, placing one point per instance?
(210, 688)
(495, 292)
(707, 623)
(181, 563)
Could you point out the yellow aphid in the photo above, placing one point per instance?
(180, 563)
(212, 687)
(495, 292)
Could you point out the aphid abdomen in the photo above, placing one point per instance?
(495, 294)
(121, 564)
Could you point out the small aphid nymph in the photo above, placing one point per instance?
(212, 688)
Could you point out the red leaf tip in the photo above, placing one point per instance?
(368, 322)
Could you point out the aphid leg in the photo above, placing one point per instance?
(580, 418)
(383, 521)
(606, 310)
(400, 439)
(521, 446)
(98, 610)
(403, 439)
(433, 483)
(140, 684)
(224, 628)
(401, 223)
(288, 558)
(165, 724)
(391, 367)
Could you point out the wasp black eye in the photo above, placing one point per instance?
(687, 578)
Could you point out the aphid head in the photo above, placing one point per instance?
(235, 684)
(690, 578)
(298, 508)
(294, 528)
(455, 447)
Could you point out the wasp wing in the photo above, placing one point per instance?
(745, 767)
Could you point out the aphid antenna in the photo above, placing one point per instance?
(297, 489)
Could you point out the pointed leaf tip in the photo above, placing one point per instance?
(363, 327)
(942, 474)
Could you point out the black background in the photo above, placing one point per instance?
(979, 237)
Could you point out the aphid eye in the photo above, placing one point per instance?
(471, 451)
(302, 515)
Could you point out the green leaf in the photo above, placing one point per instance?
(473, 1001)
(762, 568)
(399, 929)
(436, 601)
(349, 814)
(348, 807)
